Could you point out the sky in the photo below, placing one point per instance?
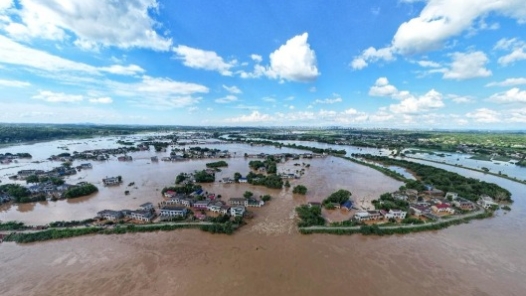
(416, 64)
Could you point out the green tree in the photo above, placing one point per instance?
(300, 189)
(248, 194)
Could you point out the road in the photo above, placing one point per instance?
(439, 221)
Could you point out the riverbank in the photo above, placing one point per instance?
(471, 169)
(68, 232)
(392, 229)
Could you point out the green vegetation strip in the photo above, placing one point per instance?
(514, 179)
(52, 234)
(389, 230)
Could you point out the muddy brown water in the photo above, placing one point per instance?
(268, 256)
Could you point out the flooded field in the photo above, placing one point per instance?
(268, 256)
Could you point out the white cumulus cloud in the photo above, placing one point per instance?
(429, 101)
(103, 100)
(203, 59)
(91, 24)
(293, 61)
(513, 95)
(226, 100)
(467, 65)
(509, 82)
(232, 89)
(55, 97)
(382, 88)
(13, 83)
(484, 115)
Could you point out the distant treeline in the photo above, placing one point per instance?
(441, 179)
(15, 133)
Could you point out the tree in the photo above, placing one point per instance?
(300, 189)
(338, 197)
(237, 175)
(32, 179)
(287, 184)
(266, 197)
(248, 194)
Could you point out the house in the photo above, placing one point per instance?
(147, 206)
(411, 193)
(140, 215)
(252, 202)
(237, 211)
(419, 209)
(111, 181)
(187, 202)
(227, 180)
(172, 211)
(169, 194)
(347, 205)
(464, 204)
(314, 204)
(443, 208)
(262, 170)
(451, 195)
(361, 216)
(394, 214)
(5, 198)
(224, 209)
(242, 180)
(125, 158)
(236, 201)
(86, 166)
(110, 215)
(487, 202)
(216, 208)
(400, 196)
(201, 204)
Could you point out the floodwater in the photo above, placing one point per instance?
(268, 256)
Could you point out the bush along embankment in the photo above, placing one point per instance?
(389, 230)
(444, 180)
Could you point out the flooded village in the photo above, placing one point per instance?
(270, 236)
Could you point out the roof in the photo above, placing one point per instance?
(146, 204)
(442, 206)
(173, 208)
(347, 204)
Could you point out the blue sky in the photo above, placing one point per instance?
(360, 63)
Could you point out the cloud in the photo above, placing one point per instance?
(13, 83)
(467, 66)
(328, 101)
(460, 99)
(430, 101)
(516, 47)
(90, 24)
(14, 53)
(518, 115)
(54, 97)
(382, 88)
(439, 21)
(122, 70)
(372, 55)
(292, 61)
(269, 99)
(484, 115)
(513, 95)
(428, 64)
(232, 89)
(255, 116)
(226, 100)
(158, 93)
(509, 82)
(256, 58)
(103, 100)
(203, 59)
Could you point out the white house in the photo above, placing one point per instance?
(238, 211)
